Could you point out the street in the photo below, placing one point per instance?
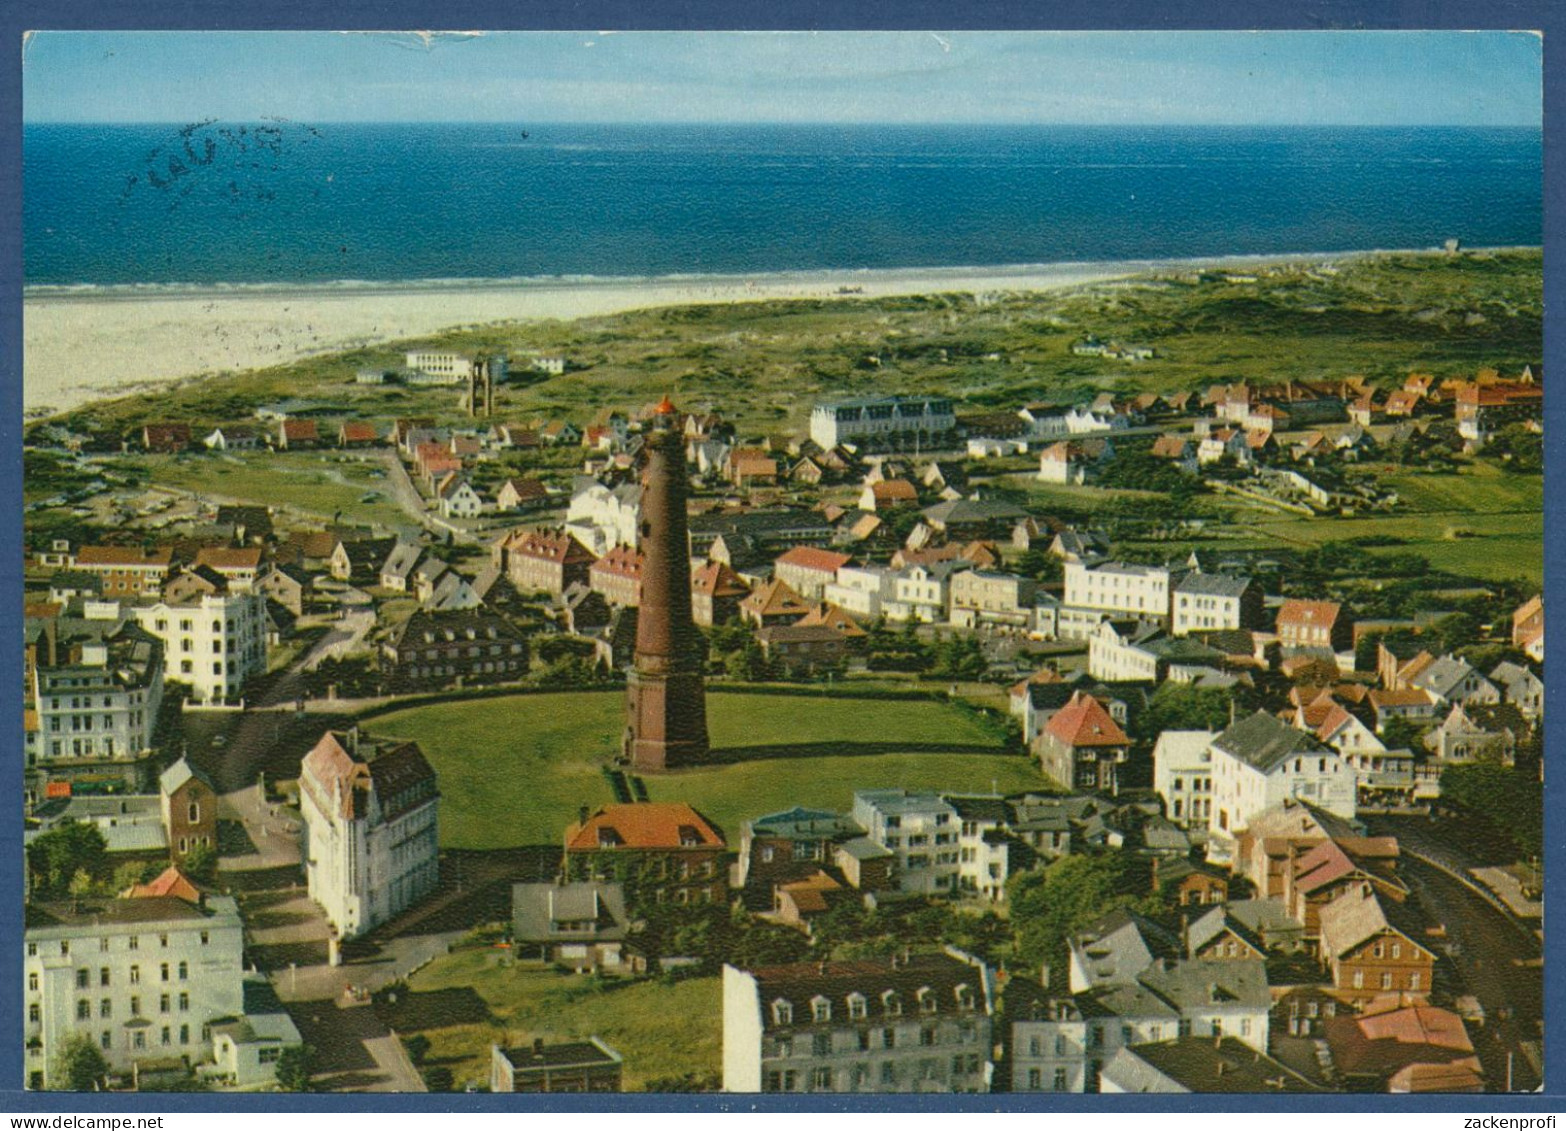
(1490, 951)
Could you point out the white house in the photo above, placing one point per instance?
(920, 829)
(458, 499)
(1183, 776)
(860, 590)
(901, 1024)
(1063, 462)
(602, 517)
(1120, 587)
(369, 813)
(873, 421)
(1209, 602)
(1063, 1045)
(213, 643)
(140, 977)
(1261, 761)
(921, 593)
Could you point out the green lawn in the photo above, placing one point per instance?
(317, 483)
(1480, 487)
(466, 1001)
(514, 771)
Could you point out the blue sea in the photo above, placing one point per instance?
(287, 202)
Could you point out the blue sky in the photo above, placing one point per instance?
(1333, 78)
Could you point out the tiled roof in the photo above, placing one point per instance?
(644, 825)
(171, 882)
(890, 987)
(810, 557)
(547, 545)
(224, 557)
(1307, 613)
(359, 432)
(1084, 722)
(123, 556)
(715, 579)
(775, 598)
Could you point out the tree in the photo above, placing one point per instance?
(1179, 706)
(78, 1065)
(295, 1066)
(58, 855)
(201, 864)
(1402, 734)
(1067, 895)
(1509, 800)
(418, 1047)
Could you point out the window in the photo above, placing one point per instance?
(1413, 981)
(269, 1056)
(927, 1035)
(184, 1002)
(32, 950)
(164, 1002)
(83, 1009)
(782, 1013)
(32, 982)
(888, 1072)
(184, 971)
(163, 971)
(888, 1038)
(105, 1007)
(193, 814)
(821, 1044)
(166, 1035)
(35, 1013)
(184, 1035)
(81, 979)
(206, 937)
(856, 1006)
(1035, 1079)
(821, 1009)
(103, 975)
(1397, 950)
(135, 975)
(1060, 1080)
(104, 1040)
(1386, 981)
(1359, 979)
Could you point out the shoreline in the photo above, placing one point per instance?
(136, 337)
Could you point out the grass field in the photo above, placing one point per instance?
(465, 1001)
(316, 483)
(514, 771)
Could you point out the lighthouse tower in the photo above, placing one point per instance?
(666, 706)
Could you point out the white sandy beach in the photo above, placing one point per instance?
(83, 344)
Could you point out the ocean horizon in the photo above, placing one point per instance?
(279, 204)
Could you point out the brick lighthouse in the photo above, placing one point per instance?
(666, 707)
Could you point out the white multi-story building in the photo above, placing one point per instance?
(983, 596)
(141, 978)
(920, 829)
(983, 850)
(1183, 775)
(450, 368)
(903, 1024)
(1208, 602)
(920, 593)
(881, 421)
(1260, 762)
(370, 841)
(860, 590)
(602, 517)
(1062, 1044)
(213, 643)
(1119, 587)
(97, 687)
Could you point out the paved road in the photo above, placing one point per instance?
(1490, 950)
(407, 496)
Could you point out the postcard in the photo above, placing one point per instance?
(793, 564)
